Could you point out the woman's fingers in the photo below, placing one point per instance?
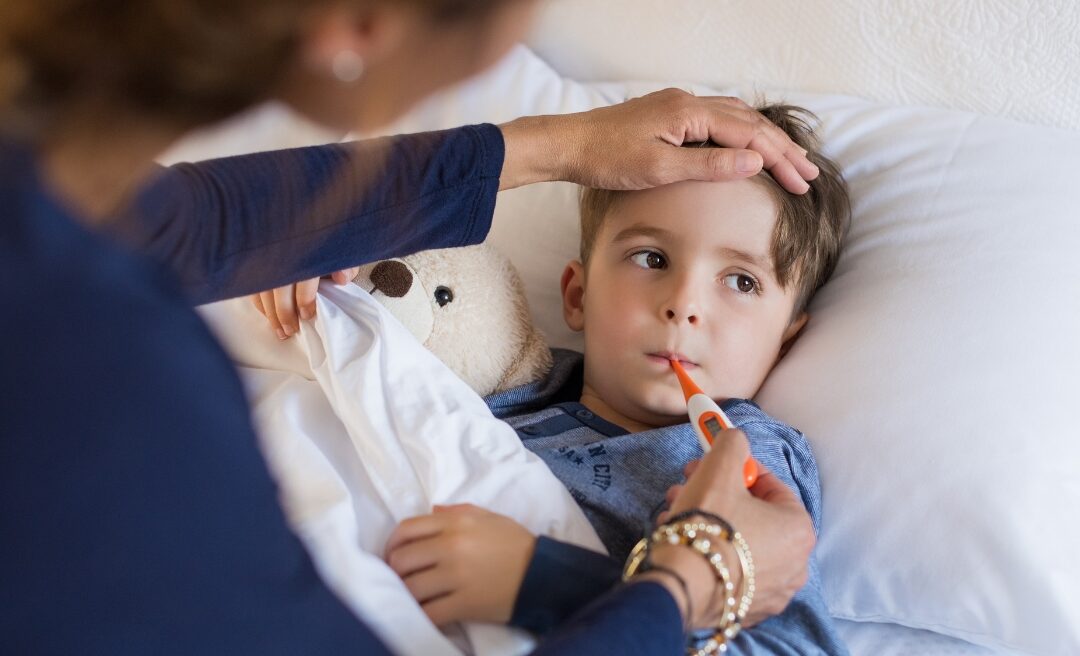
(691, 467)
(257, 300)
(769, 488)
(645, 137)
(672, 493)
(717, 480)
(770, 516)
(716, 164)
(780, 146)
(269, 310)
(345, 276)
(732, 124)
(285, 309)
(748, 129)
(293, 302)
(306, 291)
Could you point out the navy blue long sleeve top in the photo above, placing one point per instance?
(136, 513)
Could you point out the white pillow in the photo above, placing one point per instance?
(936, 377)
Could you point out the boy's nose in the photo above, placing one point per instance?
(679, 315)
(682, 302)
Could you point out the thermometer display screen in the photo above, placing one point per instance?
(713, 425)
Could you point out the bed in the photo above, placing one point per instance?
(937, 377)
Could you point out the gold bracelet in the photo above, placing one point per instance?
(746, 586)
(671, 534)
(700, 537)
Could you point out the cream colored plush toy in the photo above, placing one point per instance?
(467, 306)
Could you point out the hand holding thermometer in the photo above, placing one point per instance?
(708, 419)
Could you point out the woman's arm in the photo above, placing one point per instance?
(238, 225)
(632, 145)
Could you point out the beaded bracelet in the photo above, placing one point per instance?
(700, 537)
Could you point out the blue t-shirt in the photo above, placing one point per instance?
(619, 479)
(137, 513)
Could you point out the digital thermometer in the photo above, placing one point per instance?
(708, 419)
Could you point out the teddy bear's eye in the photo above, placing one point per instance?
(443, 295)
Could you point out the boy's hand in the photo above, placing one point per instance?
(285, 306)
(462, 563)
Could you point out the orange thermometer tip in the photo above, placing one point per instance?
(689, 387)
(702, 419)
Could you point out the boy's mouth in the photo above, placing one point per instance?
(667, 356)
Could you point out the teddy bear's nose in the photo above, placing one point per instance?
(391, 278)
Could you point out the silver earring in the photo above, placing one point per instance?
(347, 66)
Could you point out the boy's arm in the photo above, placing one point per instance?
(804, 626)
(803, 629)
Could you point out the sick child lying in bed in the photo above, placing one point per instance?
(716, 275)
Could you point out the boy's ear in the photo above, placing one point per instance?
(573, 296)
(792, 333)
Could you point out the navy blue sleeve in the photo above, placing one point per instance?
(639, 618)
(137, 513)
(239, 225)
(561, 579)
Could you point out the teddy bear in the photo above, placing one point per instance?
(467, 306)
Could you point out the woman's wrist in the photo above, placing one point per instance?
(537, 150)
(706, 566)
(700, 609)
(673, 583)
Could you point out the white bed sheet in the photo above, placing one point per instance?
(363, 427)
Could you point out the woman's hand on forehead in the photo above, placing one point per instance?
(637, 145)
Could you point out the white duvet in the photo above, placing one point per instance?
(362, 428)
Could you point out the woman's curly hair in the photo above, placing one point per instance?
(190, 61)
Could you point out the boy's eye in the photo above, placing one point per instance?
(741, 282)
(649, 260)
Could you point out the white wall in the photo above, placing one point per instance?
(1014, 58)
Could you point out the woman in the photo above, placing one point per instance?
(138, 515)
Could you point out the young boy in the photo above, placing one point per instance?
(717, 275)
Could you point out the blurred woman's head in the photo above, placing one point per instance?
(345, 63)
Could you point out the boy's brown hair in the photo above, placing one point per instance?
(809, 228)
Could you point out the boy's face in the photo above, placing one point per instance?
(682, 270)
